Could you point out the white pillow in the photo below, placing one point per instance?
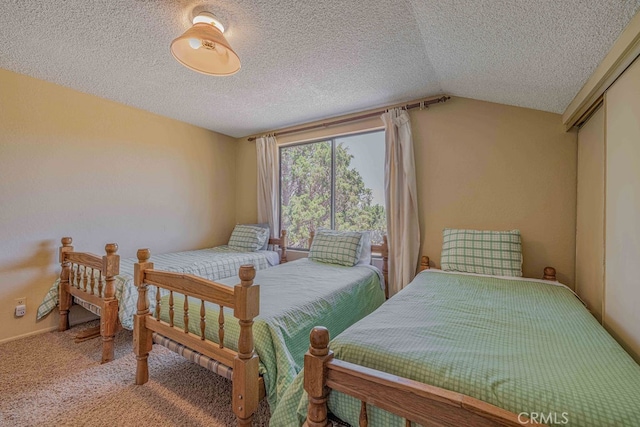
(248, 237)
(365, 251)
(266, 241)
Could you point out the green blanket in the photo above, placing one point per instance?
(525, 346)
(294, 297)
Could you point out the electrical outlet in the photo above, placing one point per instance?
(21, 306)
(21, 310)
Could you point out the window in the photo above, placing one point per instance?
(335, 183)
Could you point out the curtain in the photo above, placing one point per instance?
(403, 230)
(267, 153)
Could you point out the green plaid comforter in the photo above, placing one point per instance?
(294, 297)
(211, 263)
(525, 346)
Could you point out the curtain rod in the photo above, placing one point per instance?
(421, 104)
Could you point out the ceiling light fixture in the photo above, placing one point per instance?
(203, 48)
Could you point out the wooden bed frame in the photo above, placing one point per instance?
(78, 279)
(412, 400)
(243, 299)
(102, 295)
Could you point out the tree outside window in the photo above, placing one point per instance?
(334, 183)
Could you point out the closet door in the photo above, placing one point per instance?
(590, 214)
(622, 277)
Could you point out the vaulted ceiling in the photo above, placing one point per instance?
(308, 60)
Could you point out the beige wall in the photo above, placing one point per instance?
(74, 164)
(479, 165)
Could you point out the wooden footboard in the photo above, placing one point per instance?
(91, 278)
(244, 299)
(282, 244)
(412, 400)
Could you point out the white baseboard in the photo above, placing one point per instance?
(28, 334)
(78, 316)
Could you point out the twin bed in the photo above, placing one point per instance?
(263, 350)
(455, 349)
(493, 351)
(104, 285)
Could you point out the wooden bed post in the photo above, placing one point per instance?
(424, 263)
(142, 340)
(283, 246)
(109, 316)
(385, 265)
(312, 234)
(549, 274)
(64, 297)
(246, 391)
(315, 383)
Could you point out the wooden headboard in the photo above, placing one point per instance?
(282, 244)
(549, 273)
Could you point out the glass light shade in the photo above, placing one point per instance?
(203, 48)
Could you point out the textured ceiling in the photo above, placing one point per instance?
(308, 60)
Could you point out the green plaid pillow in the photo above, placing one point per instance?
(336, 247)
(496, 253)
(248, 237)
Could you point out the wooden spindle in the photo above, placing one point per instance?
(385, 265)
(171, 311)
(142, 340)
(111, 267)
(109, 317)
(158, 303)
(315, 382)
(246, 393)
(143, 304)
(72, 276)
(363, 421)
(283, 246)
(245, 342)
(407, 423)
(64, 297)
(85, 278)
(143, 258)
(93, 281)
(203, 320)
(186, 314)
(100, 285)
(312, 235)
(221, 327)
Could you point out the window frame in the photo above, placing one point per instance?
(332, 140)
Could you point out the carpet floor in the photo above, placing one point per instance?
(48, 380)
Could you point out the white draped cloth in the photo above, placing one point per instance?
(267, 153)
(403, 229)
